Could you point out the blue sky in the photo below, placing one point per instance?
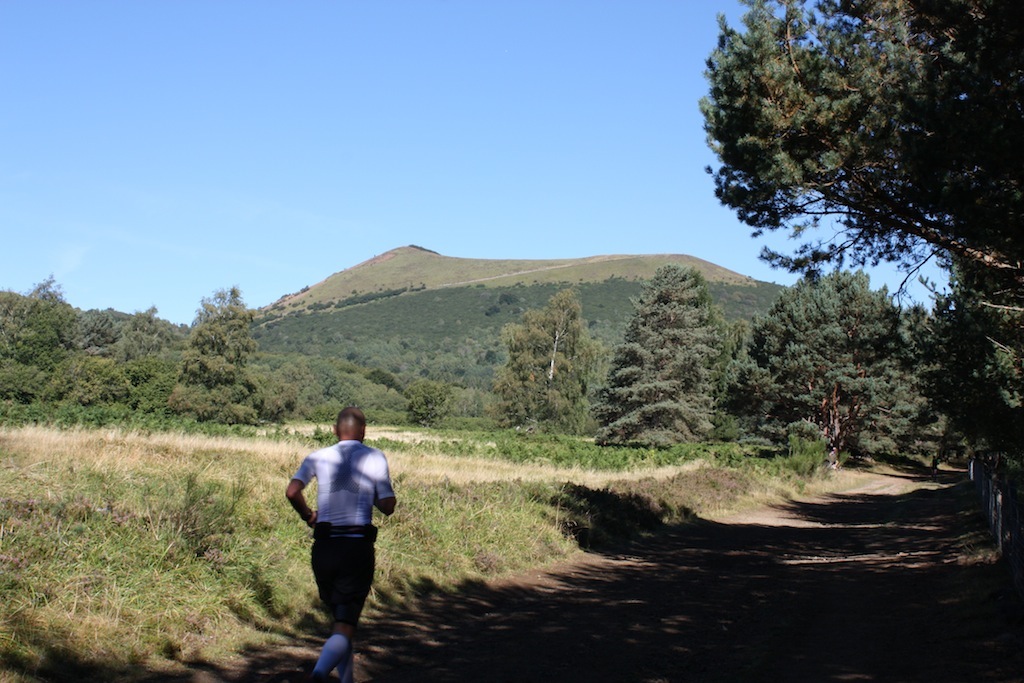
(154, 152)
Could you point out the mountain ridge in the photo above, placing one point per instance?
(417, 314)
(415, 268)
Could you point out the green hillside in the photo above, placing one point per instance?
(414, 269)
(416, 313)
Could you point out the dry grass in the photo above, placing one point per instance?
(114, 446)
(433, 467)
(116, 451)
(429, 466)
(413, 267)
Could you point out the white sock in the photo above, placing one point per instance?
(336, 653)
(349, 666)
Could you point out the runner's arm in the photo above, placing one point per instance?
(298, 500)
(386, 505)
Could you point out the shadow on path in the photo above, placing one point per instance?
(864, 586)
(853, 588)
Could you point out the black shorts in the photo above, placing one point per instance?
(343, 568)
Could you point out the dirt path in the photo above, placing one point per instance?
(860, 586)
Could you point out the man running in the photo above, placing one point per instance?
(352, 478)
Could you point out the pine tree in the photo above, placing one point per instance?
(659, 389)
(895, 125)
(976, 381)
(832, 353)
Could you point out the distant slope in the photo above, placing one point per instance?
(419, 314)
(412, 268)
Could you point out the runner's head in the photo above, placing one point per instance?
(350, 425)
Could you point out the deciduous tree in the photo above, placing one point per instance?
(143, 334)
(89, 380)
(37, 333)
(551, 363)
(429, 401)
(38, 328)
(214, 384)
(151, 381)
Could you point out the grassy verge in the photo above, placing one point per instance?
(126, 553)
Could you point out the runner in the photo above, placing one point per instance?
(352, 478)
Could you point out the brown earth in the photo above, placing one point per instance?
(873, 584)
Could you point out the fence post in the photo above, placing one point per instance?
(1001, 504)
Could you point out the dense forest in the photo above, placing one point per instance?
(367, 350)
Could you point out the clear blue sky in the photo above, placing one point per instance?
(154, 152)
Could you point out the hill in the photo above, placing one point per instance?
(414, 312)
(414, 268)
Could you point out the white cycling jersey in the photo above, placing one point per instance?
(351, 477)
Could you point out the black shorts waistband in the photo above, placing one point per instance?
(328, 530)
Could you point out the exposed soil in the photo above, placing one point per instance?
(873, 584)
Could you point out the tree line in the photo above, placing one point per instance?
(832, 362)
(869, 132)
(55, 358)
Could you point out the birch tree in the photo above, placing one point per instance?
(551, 363)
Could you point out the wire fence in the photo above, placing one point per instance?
(1002, 507)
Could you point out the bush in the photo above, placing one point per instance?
(429, 402)
(806, 456)
(21, 383)
(89, 380)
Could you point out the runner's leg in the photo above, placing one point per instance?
(336, 653)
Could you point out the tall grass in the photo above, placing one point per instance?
(124, 552)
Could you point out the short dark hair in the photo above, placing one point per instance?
(351, 417)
